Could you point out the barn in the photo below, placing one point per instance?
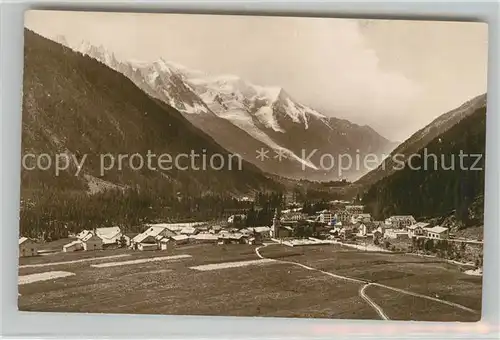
(92, 242)
(27, 247)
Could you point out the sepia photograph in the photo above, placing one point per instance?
(257, 166)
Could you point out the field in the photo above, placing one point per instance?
(327, 281)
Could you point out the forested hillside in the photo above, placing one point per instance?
(442, 187)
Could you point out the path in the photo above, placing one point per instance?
(366, 284)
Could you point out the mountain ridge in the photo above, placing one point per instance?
(266, 117)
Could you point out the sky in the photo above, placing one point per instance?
(394, 75)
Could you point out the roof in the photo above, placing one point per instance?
(261, 229)
(90, 236)
(83, 234)
(418, 225)
(108, 235)
(205, 236)
(437, 229)
(131, 235)
(188, 230)
(180, 237)
(23, 239)
(72, 244)
(152, 231)
(401, 217)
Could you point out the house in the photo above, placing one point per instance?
(361, 218)
(378, 233)
(437, 233)
(128, 238)
(215, 229)
(152, 231)
(27, 247)
(180, 239)
(109, 235)
(188, 231)
(73, 246)
(91, 242)
(165, 243)
(417, 229)
(326, 217)
(362, 230)
(264, 232)
(147, 246)
(395, 234)
(204, 238)
(343, 216)
(400, 221)
(238, 218)
(355, 209)
(294, 216)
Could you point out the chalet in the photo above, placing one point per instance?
(294, 216)
(343, 216)
(188, 231)
(437, 233)
(215, 229)
(231, 238)
(147, 246)
(27, 247)
(361, 218)
(395, 234)
(361, 229)
(180, 239)
(91, 242)
(400, 221)
(418, 229)
(154, 232)
(109, 235)
(264, 232)
(378, 233)
(128, 238)
(204, 238)
(73, 246)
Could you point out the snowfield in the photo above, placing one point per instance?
(225, 265)
(25, 279)
(69, 262)
(126, 263)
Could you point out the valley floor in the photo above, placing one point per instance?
(326, 281)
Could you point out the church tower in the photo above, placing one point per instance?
(276, 224)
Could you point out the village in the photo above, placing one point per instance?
(320, 262)
(343, 223)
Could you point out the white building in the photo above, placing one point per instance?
(109, 235)
(343, 216)
(27, 247)
(400, 221)
(417, 229)
(361, 218)
(437, 233)
(362, 230)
